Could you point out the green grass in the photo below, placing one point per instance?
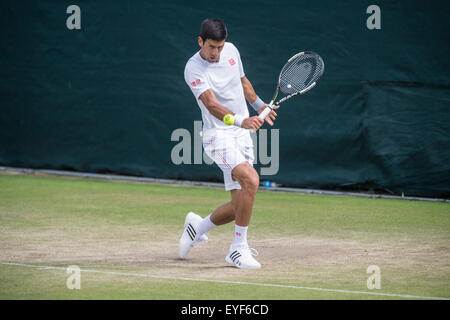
(94, 223)
(332, 216)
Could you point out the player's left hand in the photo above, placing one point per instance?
(271, 116)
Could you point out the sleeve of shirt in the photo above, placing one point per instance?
(195, 79)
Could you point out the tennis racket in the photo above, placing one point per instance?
(299, 75)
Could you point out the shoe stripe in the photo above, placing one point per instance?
(189, 232)
(233, 254)
(190, 235)
(236, 257)
(192, 229)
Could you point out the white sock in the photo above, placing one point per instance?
(205, 226)
(240, 236)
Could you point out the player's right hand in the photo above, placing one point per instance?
(252, 123)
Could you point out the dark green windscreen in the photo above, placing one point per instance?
(111, 96)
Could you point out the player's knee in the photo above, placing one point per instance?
(251, 181)
(247, 176)
(255, 183)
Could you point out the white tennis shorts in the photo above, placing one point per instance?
(228, 150)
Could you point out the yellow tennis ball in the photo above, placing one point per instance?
(228, 119)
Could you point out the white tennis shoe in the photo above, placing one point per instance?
(242, 257)
(189, 237)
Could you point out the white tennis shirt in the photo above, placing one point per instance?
(224, 79)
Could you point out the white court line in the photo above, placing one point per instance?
(227, 282)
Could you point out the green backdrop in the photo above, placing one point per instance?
(107, 97)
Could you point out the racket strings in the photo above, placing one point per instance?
(300, 73)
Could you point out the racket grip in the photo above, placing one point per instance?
(265, 112)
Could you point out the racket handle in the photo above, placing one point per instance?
(264, 114)
(266, 111)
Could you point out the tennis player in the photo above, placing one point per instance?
(216, 77)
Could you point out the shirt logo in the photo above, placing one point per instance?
(196, 82)
(232, 62)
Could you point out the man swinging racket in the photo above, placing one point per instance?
(216, 77)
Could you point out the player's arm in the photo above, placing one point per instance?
(255, 102)
(219, 111)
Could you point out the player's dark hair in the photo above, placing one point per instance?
(213, 29)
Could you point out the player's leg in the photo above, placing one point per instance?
(223, 214)
(248, 178)
(240, 253)
(243, 200)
